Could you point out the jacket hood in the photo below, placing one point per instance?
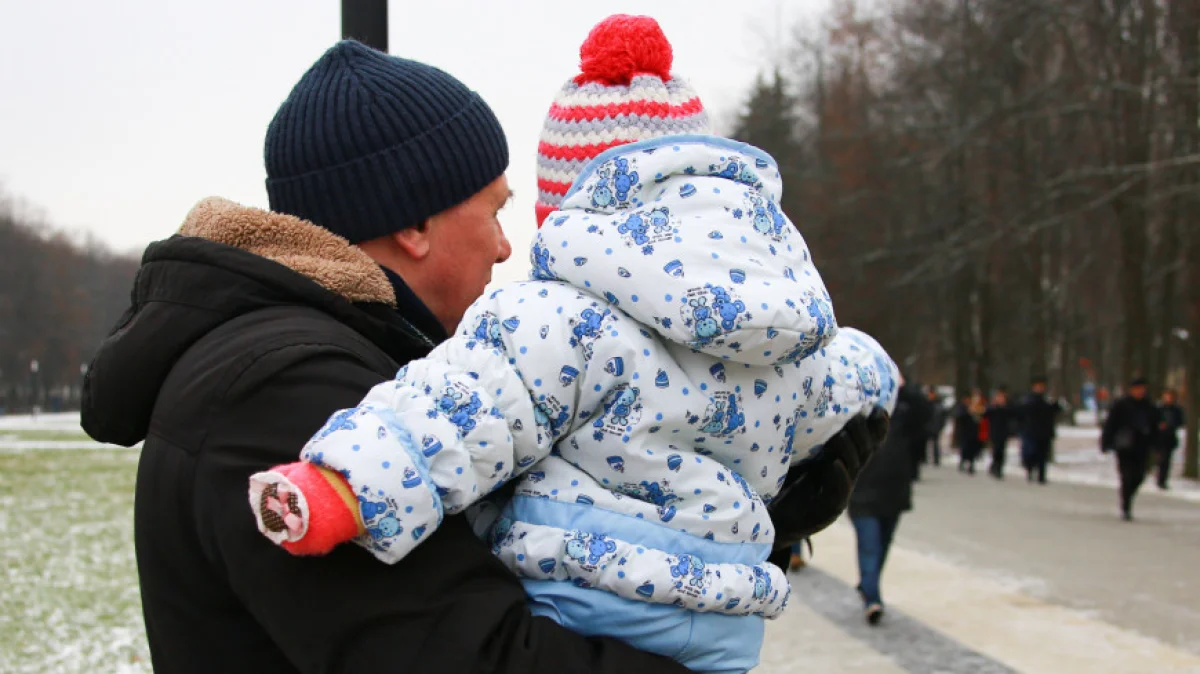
(226, 261)
(685, 234)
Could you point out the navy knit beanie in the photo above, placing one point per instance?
(368, 144)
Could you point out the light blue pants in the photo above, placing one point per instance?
(714, 643)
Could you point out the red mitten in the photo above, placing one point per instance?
(306, 509)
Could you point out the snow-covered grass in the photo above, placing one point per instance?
(45, 431)
(70, 601)
(27, 422)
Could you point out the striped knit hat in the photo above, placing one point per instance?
(623, 94)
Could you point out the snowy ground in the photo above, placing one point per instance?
(985, 577)
(71, 601)
(44, 431)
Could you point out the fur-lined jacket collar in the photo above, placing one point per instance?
(312, 251)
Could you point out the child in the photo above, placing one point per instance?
(673, 356)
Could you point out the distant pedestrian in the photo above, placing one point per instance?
(1170, 420)
(920, 412)
(1130, 432)
(936, 422)
(1037, 417)
(883, 492)
(969, 424)
(1001, 418)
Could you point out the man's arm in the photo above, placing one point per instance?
(448, 607)
(815, 494)
(1111, 424)
(479, 410)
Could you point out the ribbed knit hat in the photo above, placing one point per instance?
(368, 144)
(624, 93)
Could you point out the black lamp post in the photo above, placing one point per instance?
(366, 21)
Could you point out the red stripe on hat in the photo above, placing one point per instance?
(553, 186)
(583, 113)
(543, 210)
(576, 151)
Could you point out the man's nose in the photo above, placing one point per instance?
(505, 250)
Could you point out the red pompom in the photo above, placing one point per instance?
(623, 46)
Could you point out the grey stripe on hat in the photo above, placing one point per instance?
(659, 124)
(545, 197)
(564, 165)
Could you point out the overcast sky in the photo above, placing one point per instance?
(116, 117)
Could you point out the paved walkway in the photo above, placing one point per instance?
(1006, 577)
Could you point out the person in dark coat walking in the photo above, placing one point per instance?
(969, 417)
(1001, 418)
(1037, 417)
(937, 421)
(883, 493)
(1130, 431)
(1170, 420)
(920, 412)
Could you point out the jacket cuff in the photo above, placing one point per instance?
(389, 476)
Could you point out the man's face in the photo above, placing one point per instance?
(1169, 397)
(464, 243)
(1001, 398)
(1039, 387)
(1138, 392)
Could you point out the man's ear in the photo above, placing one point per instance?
(414, 241)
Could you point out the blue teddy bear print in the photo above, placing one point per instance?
(688, 568)
(545, 416)
(615, 183)
(487, 330)
(727, 308)
(733, 168)
(766, 218)
(821, 312)
(462, 413)
(589, 549)
(724, 416)
(711, 311)
(587, 328)
(647, 229)
(620, 412)
(380, 519)
(541, 260)
(762, 583)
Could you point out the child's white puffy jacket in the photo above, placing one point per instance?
(675, 354)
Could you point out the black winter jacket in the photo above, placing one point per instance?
(1038, 418)
(1172, 416)
(884, 487)
(1002, 421)
(1132, 425)
(243, 338)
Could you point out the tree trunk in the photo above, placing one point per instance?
(1191, 447)
(1132, 221)
(1184, 19)
(964, 351)
(1163, 337)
